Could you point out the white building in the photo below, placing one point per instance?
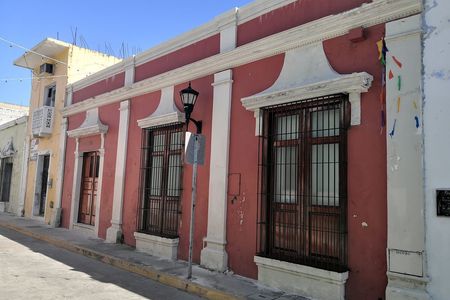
(9, 112)
(13, 162)
(436, 115)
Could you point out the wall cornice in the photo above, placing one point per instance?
(356, 82)
(367, 15)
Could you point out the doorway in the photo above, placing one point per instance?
(40, 199)
(88, 188)
(6, 166)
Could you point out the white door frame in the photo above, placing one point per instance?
(76, 186)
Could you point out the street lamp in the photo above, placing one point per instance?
(188, 98)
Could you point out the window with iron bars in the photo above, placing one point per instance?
(303, 183)
(161, 180)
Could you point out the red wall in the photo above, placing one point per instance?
(292, 15)
(189, 54)
(140, 108)
(100, 87)
(203, 112)
(366, 148)
(109, 115)
(248, 80)
(366, 170)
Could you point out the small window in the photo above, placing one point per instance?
(49, 95)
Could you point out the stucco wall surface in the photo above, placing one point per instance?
(17, 134)
(436, 84)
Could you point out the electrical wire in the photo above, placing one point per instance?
(29, 50)
(5, 80)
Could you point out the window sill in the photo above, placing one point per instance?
(156, 245)
(303, 280)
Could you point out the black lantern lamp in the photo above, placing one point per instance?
(188, 98)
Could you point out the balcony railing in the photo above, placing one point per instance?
(42, 121)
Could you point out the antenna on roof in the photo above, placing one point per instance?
(74, 35)
(83, 42)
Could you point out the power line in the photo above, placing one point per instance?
(29, 50)
(5, 80)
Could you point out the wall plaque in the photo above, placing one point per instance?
(443, 202)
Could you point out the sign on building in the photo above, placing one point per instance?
(34, 149)
(189, 148)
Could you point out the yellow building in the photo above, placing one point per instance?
(54, 65)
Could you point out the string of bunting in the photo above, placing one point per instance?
(391, 75)
(382, 52)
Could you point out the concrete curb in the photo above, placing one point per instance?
(146, 271)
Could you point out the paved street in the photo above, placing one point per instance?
(32, 269)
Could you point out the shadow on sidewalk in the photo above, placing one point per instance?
(95, 269)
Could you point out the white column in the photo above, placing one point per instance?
(214, 255)
(24, 176)
(228, 30)
(56, 213)
(404, 141)
(77, 166)
(100, 182)
(114, 233)
(129, 71)
(436, 112)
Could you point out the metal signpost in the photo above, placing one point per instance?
(195, 146)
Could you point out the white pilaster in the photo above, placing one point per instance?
(406, 272)
(56, 212)
(129, 72)
(76, 184)
(228, 30)
(24, 176)
(214, 256)
(98, 203)
(114, 233)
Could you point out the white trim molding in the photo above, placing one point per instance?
(307, 74)
(214, 255)
(302, 280)
(156, 245)
(215, 26)
(129, 71)
(165, 113)
(91, 126)
(114, 232)
(328, 27)
(56, 212)
(406, 240)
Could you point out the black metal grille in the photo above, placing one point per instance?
(161, 178)
(303, 183)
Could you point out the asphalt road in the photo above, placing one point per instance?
(33, 269)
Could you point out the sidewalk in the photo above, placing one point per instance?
(205, 283)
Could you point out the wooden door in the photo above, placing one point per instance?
(88, 192)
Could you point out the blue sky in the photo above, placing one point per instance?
(138, 24)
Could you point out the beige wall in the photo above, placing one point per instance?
(80, 62)
(17, 133)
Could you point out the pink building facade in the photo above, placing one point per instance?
(293, 189)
